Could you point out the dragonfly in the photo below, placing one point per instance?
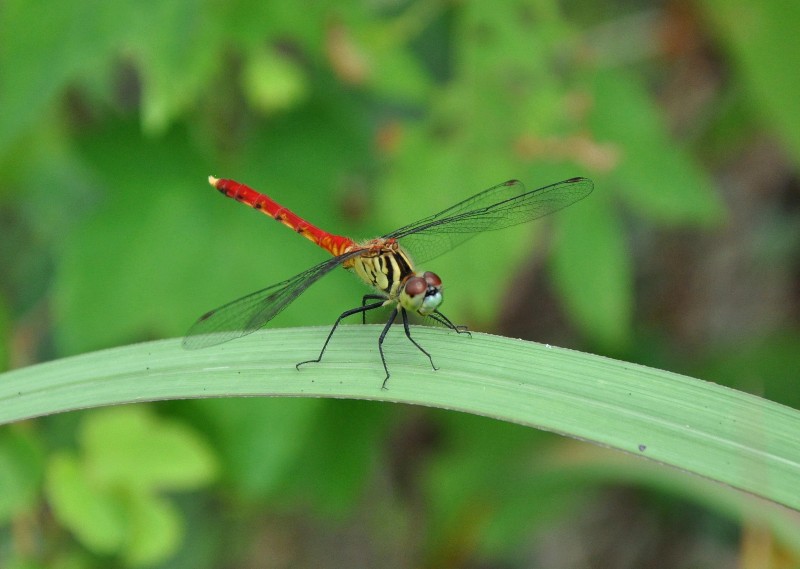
(384, 263)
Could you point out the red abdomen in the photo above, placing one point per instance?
(335, 244)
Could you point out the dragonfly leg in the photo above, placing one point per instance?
(408, 335)
(413, 341)
(364, 300)
(445, 321)
(342, 316)
(380, 345)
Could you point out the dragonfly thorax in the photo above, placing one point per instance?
(383, 265)
(387, 267)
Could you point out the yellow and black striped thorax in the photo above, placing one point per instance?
(385, 269)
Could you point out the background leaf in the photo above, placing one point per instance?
(759, 39)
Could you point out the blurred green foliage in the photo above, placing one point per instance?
(361, 117)
(108, 495)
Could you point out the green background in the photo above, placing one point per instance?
(363, 117)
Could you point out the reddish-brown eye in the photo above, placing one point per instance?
(415, 286)
(432, 279)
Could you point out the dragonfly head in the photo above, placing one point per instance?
(422, 293)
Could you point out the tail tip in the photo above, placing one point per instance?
(213, 181)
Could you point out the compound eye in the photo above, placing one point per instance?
(416, 286)
(432, 279)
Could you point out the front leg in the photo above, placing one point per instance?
(413, 341)
(445, 321)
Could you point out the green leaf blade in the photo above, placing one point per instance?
(735, 438)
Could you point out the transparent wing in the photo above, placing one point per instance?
(251, 312)
(498, 207)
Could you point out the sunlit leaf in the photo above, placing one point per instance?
(131, 447)
(96, 515)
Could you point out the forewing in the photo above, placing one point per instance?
(498, 207)
(251, 312)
